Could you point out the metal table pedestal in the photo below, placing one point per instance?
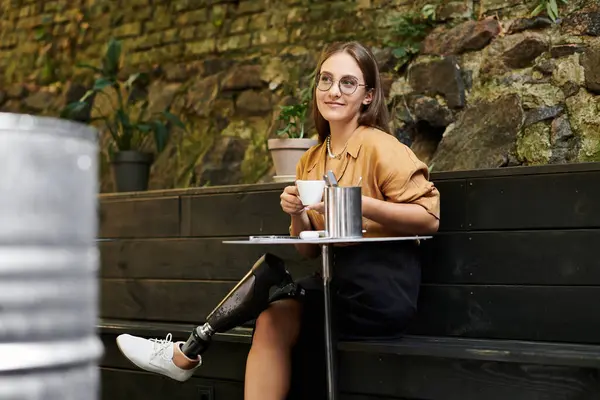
(326, 243)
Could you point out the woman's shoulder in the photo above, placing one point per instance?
(382, 142)
(385, 147)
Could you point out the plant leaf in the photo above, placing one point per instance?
(161, 134)
(69, 111)
(174, 119)
(39, 33)
(399, 52)
(552, 10)
(87, 95)
(537, 10)
(102, 83)
(132, 78)
(554, 7)
(143, 109)
(87, 66)
(145, 128)
(112, 58)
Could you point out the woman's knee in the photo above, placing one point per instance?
(279, 323)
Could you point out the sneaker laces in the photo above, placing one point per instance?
(160, 345)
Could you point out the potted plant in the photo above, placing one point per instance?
(129, 120)
(287, 151)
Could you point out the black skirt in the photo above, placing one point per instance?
(374, 292)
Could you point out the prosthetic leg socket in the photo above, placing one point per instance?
(244, 302)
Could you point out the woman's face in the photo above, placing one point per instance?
(340, 91)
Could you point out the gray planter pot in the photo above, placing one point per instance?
(131, 170)
(286, 153)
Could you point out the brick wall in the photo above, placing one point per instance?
(156, 31)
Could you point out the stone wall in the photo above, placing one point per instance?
(489, 88)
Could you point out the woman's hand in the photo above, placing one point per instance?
(290, 202)
(292, 205)
(319, 207)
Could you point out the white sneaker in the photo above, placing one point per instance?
(154, 355)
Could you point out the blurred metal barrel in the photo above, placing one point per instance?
(49, 348)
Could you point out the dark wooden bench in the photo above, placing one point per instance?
(507, 306)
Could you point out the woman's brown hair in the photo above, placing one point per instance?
(374, 114)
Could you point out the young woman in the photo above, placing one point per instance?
(374, 285)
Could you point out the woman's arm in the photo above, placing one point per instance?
(300, 222)
(403, 218)
(292, 205)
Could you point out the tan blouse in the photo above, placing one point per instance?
(389, 169)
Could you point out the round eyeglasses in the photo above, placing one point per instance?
(347, 85)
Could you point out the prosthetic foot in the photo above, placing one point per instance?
(243, 303)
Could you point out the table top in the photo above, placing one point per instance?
(322, 240)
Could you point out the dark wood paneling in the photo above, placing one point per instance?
(453, 212)
(551, 313)
(236, 214)
(523, 352)
(192, 258)
(178, 301)
(533, 202)
(527, 352)
(135, 385)
(537, 313)
(565, 257)
(446, 379)
(528, 257)
(153, 217)
(346, 396)
(397, 377)
(516, 171)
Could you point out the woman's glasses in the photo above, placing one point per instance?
(347, 85)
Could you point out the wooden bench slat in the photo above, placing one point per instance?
(515, 312)
(192, 258)
(238, 214)
(145, 217)
(549, 257)
(475, 311)
(553, 201)
(565, 354)
(546, 257)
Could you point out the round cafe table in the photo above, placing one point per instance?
(326, 243)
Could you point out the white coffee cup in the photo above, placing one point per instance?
(310, 192)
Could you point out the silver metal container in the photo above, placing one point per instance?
(343, 211)
(49, 348)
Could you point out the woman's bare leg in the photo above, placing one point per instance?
(268, 368)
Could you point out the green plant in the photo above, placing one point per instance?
(294, 116)
(551, 7)
(408, 31)
(129, 121)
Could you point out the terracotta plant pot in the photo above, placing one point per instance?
(131, 170)
(286, 153)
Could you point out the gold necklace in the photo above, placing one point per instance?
(331, 155)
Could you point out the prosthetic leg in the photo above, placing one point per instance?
(244, 302)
